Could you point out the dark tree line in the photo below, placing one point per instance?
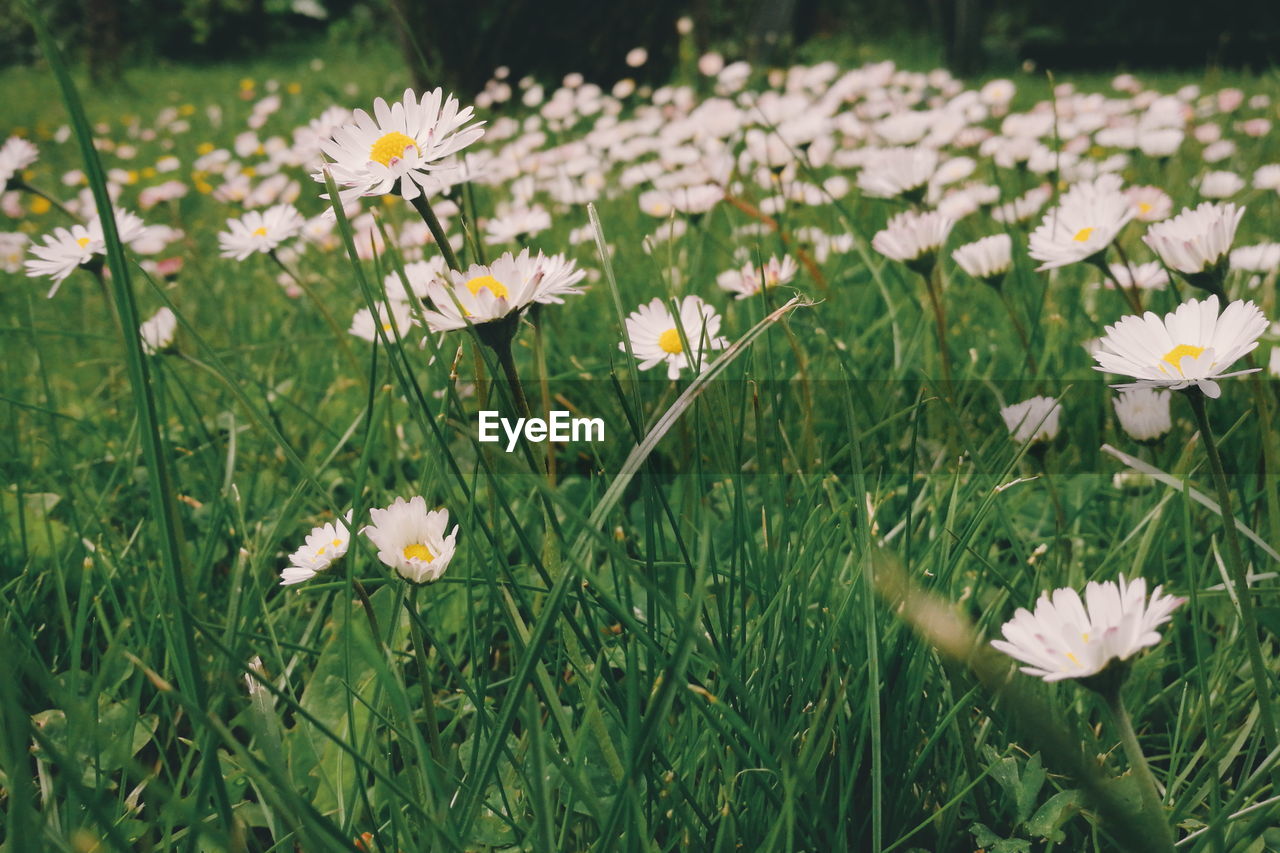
(459, 42)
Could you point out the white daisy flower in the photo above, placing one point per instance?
(1067, 638)
(750, 279)
(1085, 222)
(1160, 142)
(1033, 420)
(1150, 204)
(987, 259)
(260, 231)
(394, 150)
(324, 546)
(392, 317)
(1148, 276)
(1267, 177)
(1144, 413)
(1220, 184)
(1024, 207)
(894, 172)
(913, 238)
(15, 155)
(483, 294)
(1195, 240)
(1192, 345)
(656, 337)
(419, 274)
(62, 253)
(516, 225)
(411, 539)
(157, 331)
(13, 245)
(1263, 257)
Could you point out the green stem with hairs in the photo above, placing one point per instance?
(1018, 328)
(508, 364)
(428, 215)
(26, 187)
(424, 675)
(1236, 568)
(339, 333)
(1152, 806)
(932, 289)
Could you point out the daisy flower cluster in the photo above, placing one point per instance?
(474, 211)
(410, 539)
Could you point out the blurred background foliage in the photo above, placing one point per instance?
(459, 43)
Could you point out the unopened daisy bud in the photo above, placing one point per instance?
(988, 259)
(1034, 420)
(1143, 413)
(1197, 243)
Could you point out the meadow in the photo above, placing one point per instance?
(756, 615)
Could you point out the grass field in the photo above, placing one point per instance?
(753, 617)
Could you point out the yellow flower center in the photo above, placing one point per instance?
(391, 146)
(83, 241)
(260, 232)
(1071, 657)
(670, 342)
(487, 282)
(1181, 351)
(418, 552)
(1083, 235)
(1144, 208)
(337, 543)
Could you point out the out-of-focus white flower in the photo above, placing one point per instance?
(158, 330)
(913, 238)
(1144, 413)
(987, 259)
(1033, 420)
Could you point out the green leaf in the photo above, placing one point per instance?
(1033, 777)
(1046, 823)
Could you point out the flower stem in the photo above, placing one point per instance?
(503, 351)
(940, 326)
(428, 215)
(26, 187)
(340, 334)
(424, 675)
(1236, 568)
(1152, 806)
(1019, 329)
(367, 606)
